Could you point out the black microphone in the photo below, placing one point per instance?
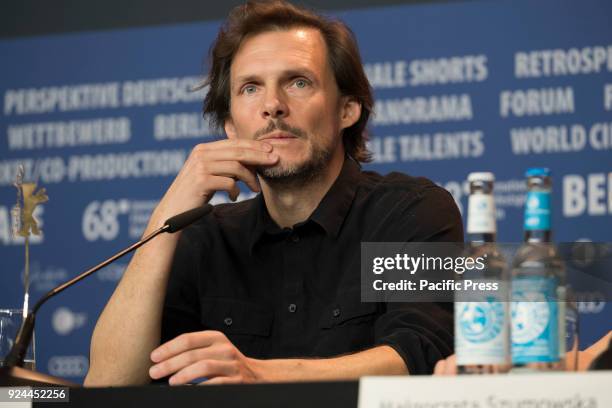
(22, 341)
(180, 221)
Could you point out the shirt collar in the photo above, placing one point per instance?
(329, 214)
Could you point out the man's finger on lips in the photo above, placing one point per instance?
(241, 143)
(244, 156)
(204, 368)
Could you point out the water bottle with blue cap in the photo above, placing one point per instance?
(538, 285)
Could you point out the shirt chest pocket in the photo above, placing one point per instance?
(348, 310)
(246, 324)
(347, 325)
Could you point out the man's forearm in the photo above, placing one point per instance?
(586, 357)
(381, 360)
(129, 327)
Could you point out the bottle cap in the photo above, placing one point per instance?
(481, 176)
(537, 171)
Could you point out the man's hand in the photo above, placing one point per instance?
(205, 354)
(447, 366)
(209, 354)
(215, 166)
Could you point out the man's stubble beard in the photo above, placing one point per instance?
(287, 176)
(298, 174)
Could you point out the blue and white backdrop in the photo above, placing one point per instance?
(104, 120)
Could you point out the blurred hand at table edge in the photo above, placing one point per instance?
(448, 366)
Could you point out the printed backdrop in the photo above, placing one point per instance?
(104, 120)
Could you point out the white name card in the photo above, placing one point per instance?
(540, 390)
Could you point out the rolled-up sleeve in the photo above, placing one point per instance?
(421, 333)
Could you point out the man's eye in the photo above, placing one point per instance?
(249, 89)
(301, 83)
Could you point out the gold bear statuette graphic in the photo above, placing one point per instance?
(31, 198)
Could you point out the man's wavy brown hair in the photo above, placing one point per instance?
(256, 17)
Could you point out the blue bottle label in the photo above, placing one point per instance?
(537, 211)
(481, 333)
(535, 320)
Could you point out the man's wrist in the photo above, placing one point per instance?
(260, 369)
(278, 370)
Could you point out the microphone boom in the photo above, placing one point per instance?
(17, 354)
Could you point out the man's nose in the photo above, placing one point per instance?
(274, 105)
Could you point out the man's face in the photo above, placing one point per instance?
(283, 92)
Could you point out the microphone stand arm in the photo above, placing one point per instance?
(16, 356)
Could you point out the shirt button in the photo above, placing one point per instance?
(336, 312)
(292, 308)
(294, 238)
(228, 321)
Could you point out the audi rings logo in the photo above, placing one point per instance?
(590, 302)
(68, 366)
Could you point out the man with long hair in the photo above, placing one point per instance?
(268, 289)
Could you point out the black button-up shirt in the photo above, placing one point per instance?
(295, 292)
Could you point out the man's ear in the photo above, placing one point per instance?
(230, 129)
(351, 111)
